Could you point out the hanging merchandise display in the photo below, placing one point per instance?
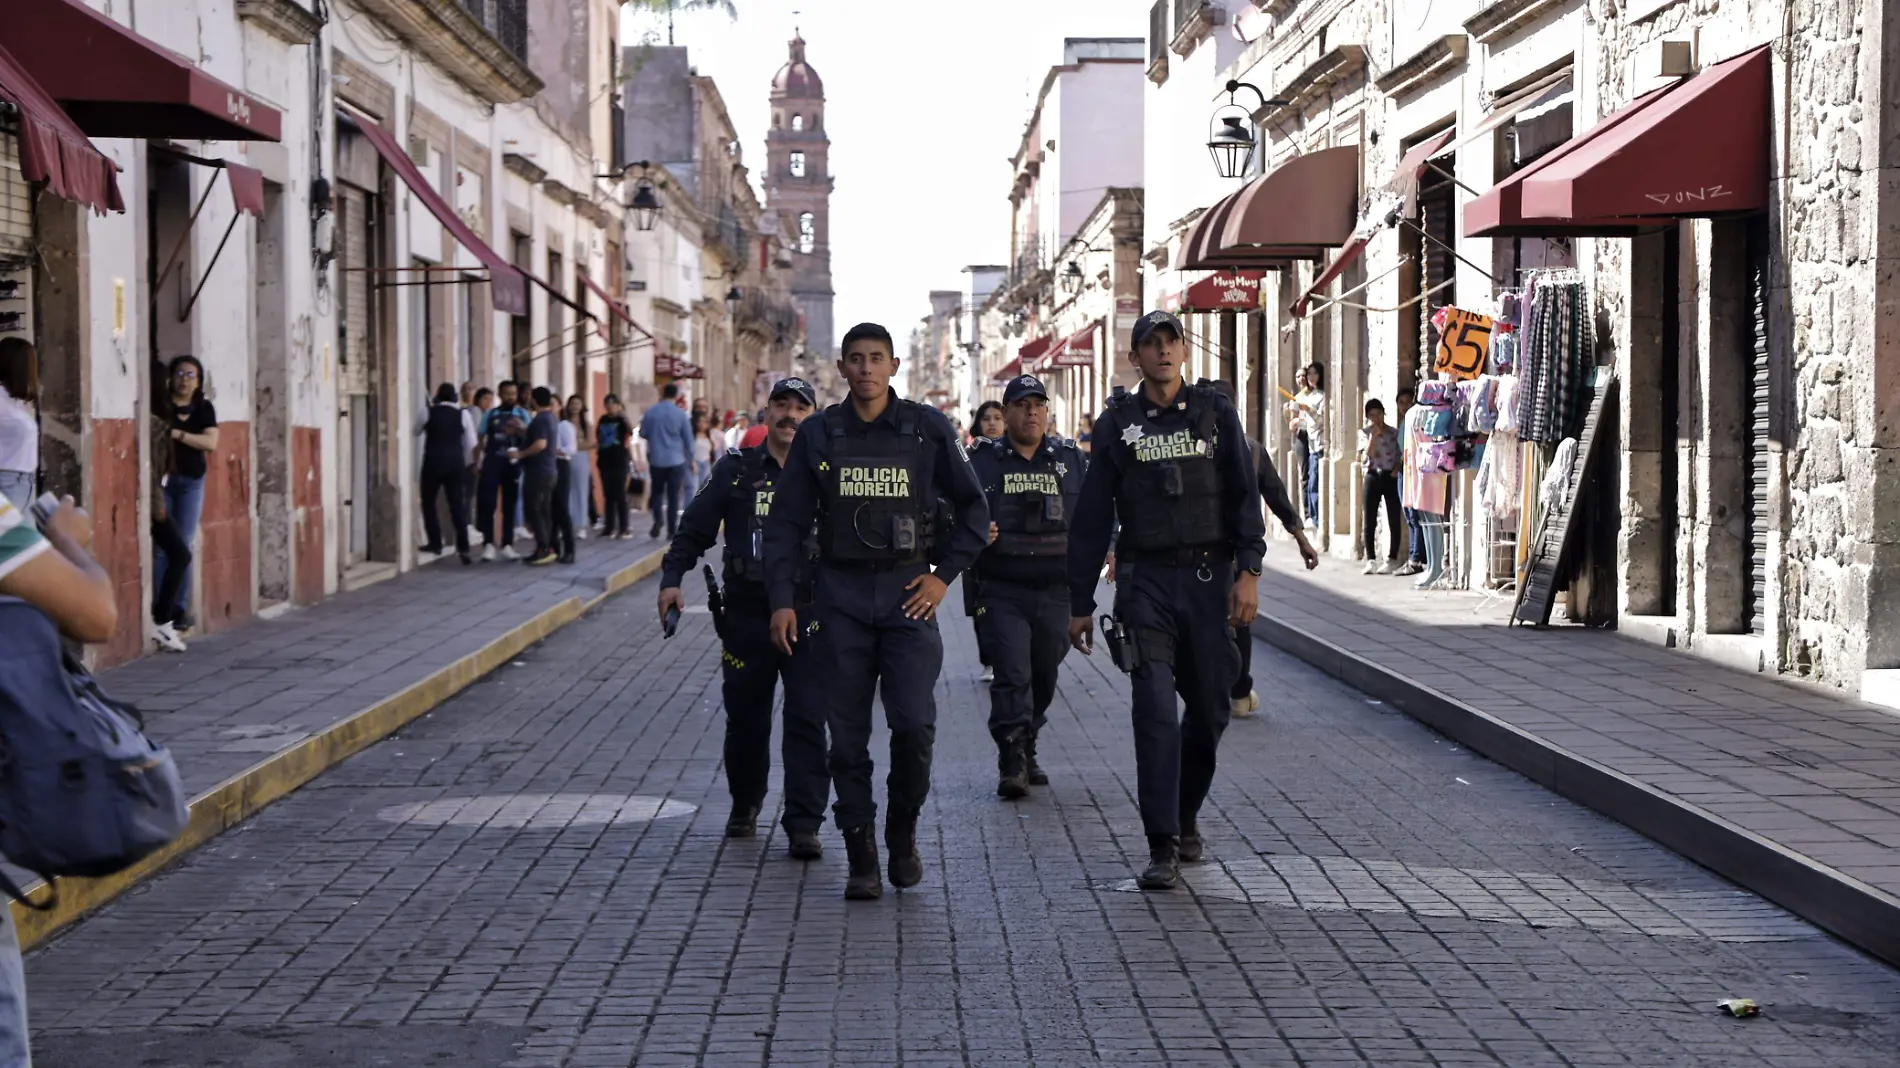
(1556, 354)
(1464, 343)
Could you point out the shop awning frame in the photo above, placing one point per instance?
(1007, 372)
(618, 309)
(114, 82)
(247, 198)
(1076, 350)
(53, 149)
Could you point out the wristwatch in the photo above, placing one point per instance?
(1254, 571)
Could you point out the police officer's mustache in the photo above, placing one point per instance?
(786, 423)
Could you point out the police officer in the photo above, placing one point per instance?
(738, 496)
(1032, 478)
(871, 471)
(1171, 464)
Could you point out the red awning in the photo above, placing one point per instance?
(1404, 180)
(1007, 371)
(247, 188)
(1700, 150)
(1028, 353)
(505, 281)
(115, 83)
(1333, 270)
(620, 310)
(1078, 350)
(1499, 211)
(688, 369)
(53, 149)
(1310, 201)
(1233, 290)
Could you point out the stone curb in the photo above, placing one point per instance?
(243, 795)
(1862, 915)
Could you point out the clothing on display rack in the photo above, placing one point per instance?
(1556, 352)
(1425, 483)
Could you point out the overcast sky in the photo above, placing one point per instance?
(924, 110)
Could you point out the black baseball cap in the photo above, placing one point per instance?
(1153, 321)
(1024, 386)
(794, 385)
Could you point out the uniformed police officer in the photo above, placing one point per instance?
(1032, 478)
(738, 495)
(1171, 463)
(872, 470)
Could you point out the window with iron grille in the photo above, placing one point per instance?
(510, 26)
(1158, 34)
(1184, 12)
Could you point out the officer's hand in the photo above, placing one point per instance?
(1111, 569)
(923, 604)
(1244, 603)
(1082, 633)
(671, 597)
(1307, 552)
(993, 532)
(785, 630)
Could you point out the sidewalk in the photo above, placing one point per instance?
(1789, 790)
(252, 713)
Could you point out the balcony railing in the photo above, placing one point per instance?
(506, 20)
(1159, 32)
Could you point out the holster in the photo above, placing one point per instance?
(1122, 648)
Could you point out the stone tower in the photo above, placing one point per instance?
(798, 187)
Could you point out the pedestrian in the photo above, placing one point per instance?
(52, 569)
(540, 475)
(501, 429)
(484, 400)
(467, 394)
(754, 435)
(580, 488)
(448, 439)
(668, 433)
(1379, 457)
(171, 553)
(989, 421)
(870, 472)
(738, 500)
(1176, 476)
(1032, 478)
(705, 449)
(611, 437)
(1414, 530)
(19, 427)
(1308, 411)
(194, 434)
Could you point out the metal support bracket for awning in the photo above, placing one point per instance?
(209, 267)
(1450, 177)
(1341, 298)
(1455, 254)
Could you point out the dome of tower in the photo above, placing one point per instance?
(796, 78)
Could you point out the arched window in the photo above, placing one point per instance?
(798, 122)
(798, 165)
(807, 233)
(778, 119)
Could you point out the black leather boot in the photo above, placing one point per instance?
(865, 883)
(744, 821)
(804, 845)
(1164, 863)
(1012, 765)
(900, 837)
(1037, 776)
(1191, 844)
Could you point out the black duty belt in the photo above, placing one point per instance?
(877, 565)
(1189, 557)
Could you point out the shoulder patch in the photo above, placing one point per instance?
(734, 450)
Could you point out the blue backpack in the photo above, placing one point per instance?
(83, 792)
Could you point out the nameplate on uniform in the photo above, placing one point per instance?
(762, 502)
(873, 480)
(1030, 482)
(1179, 445)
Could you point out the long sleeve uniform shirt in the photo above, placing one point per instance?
(799, 493)
(715, 507)
(668, 432)
(1096, 518)
(1273, 489)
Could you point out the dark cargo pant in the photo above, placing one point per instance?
(752, 670)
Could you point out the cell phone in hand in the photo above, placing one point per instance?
(43, 508)
(672, 621)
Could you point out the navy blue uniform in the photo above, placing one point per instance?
(1180, 482)
(873, 488)
(1022, 596)
(737, 497)
(502, 429)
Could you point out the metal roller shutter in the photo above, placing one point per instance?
(1759, 429)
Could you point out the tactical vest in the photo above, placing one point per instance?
(875, 511)
(442, 437)
(751, 496)
(1032, 516)
(1170, 495)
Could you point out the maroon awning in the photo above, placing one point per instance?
(1078, 350)
(1700, 150)
(115, 83)
(1404, 180)
(1235, 290)
(1353, 250)
(53, 149)
(505, 280)
(1028, 353)
(620, 310)
(247, 188)
(1310, 201)
(1007, 371)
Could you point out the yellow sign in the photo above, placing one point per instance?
(1030, 482)
(118, 307)
(1463, 344)
(856, 480)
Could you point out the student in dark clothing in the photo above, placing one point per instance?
(612, 435)
(501, 430)
(448, 437)
(538, 476)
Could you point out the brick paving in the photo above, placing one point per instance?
(1813, 771)
(535, 875)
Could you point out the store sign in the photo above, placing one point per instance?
(1463, 344)
(1078, 351)
(1127, 311)
(1226, 291)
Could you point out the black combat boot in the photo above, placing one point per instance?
(1164, 863)
(1012, 765)
(900, 837)
(1191, 844)
(865, 882)
(804, 845)
(744, 821)
(1037, 776)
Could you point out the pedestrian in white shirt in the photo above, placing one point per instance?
(19, 426)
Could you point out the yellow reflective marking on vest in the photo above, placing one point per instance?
(1179, 445)
(873, 480)
(762, 502)
(1030, 482)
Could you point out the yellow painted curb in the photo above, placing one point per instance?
(239, 797)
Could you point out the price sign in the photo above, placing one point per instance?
(1463, 344)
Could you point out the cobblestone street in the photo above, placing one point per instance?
(534, 874)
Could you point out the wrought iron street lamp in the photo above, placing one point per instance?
(1231, 140)
(733, 300)
(646, 205)
(1072, 278)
